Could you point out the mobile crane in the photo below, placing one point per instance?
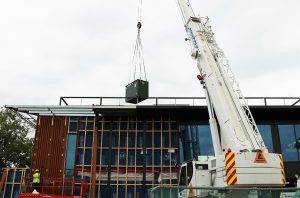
(241, 157)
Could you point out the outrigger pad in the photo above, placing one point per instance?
(137, 91)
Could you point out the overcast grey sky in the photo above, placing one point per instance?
(59, 48)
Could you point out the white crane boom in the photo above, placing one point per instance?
(237, 126)
(241, 158)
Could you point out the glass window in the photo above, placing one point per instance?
(139, 157)
(139, 191)
(99, 126)
(148, 139)
(71, 148)
(297, 128)
(99, 138)
(166, 157)
(89, 139)
(10, 176)
(105, 142)
(165, 139)
(174, 126)
(122, 157)
(195, 140)
(149, 157)
(98, 157)
(86, 173)
(140, 126)
(200, 134)
(181, 149)
(90, 126)
(131, 139)
(114, 157)
(80, 156)
(82, 125)
(121, 190)
(165, 125)
(140, 139)
(173, 158)
(157, 125)
(174, 140)
(157, 157)
(90, 118)
(106, 125)
(131, 157)
(156, 175)
(81, 139)
(18, 176)
(123, 125)
(266, 134)
(157, 140)
(105, 157)
(130, 192)
(69, 173)
(74, 119)
(16, 191)
(8, 190)
(115, 139)
(149, 126)
(88, 157)
(287, 140)
(73, 127)
(123, 139)
(103, 191)
(115, 125)
(131, 125)
(206, 145)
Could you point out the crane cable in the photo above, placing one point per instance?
(140, 6)
(138, 59)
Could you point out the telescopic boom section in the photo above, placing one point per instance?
(237, 131)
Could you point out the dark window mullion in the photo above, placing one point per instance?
(295, 134)
(144, 158)
(276, 139)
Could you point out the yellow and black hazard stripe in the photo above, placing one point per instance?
(231, 176)
(282, 169)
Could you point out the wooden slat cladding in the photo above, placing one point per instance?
(50, 146)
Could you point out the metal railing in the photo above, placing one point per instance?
(180, 101)
(233, 192)
(56, 186)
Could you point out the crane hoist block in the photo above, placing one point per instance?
(137, 91)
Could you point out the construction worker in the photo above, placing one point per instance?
(36, 180)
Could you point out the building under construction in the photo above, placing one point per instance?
(122, 150)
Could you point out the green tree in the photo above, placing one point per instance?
(15, 146)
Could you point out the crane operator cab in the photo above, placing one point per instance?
(196, 173)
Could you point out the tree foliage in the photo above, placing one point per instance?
(15, 146)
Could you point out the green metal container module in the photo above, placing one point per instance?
(137, 91)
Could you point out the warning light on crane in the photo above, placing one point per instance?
(200, 77)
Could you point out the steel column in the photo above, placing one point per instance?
(94, 162)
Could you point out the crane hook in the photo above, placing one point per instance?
(139, 25)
